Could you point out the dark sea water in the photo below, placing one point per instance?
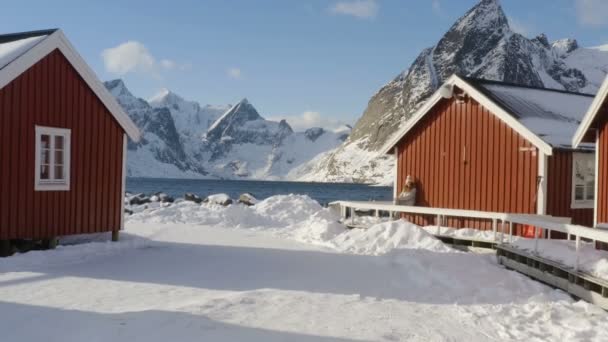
(322, 192)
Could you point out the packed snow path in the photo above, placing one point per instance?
(186, 282)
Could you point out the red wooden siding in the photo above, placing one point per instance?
(51, 93)
(559, 189)
(463, 157)
(602, 172)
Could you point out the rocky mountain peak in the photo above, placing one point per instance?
(233, 119)
(117, 88)
(543, 40)
(487, 14)
(165, 98)
(564, 46)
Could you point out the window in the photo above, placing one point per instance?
(583, 180)
(52, 159)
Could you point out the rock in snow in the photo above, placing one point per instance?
(248, 199)
(221, 199)
(190, 197)
(480, 44)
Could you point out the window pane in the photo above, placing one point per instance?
(59, 172)
(59, 142)
(58, 157)
(45, 156)
(579, 193)
(44, 172)
(45, 141)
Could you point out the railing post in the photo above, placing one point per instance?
(502, 231)
(578, 242)
(535, 240)
(438, 223)
(494, 223)
(510, 232)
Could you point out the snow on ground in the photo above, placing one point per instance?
(191, 272)
(591, 260)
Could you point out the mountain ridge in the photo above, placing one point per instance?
(182, 139)
(480, 44)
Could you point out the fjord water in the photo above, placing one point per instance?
(321, 192)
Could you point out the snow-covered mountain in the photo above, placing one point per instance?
(182, 139)
(480, 44)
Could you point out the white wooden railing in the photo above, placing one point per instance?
(548, 223)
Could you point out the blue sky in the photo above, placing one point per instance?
(313, 61)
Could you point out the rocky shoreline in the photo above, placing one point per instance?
(164, 200)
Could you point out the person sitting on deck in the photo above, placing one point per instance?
(408, 195)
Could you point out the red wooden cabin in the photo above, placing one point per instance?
(63, 142)
(498, 147)
(594, 129)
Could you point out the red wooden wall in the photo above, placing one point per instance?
(51, 93)
(602, 172)
(463, 157)
(559, 189)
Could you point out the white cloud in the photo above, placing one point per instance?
(168, 64)
(234, 73)
(309, 119)
(133, 56)
(592, 12)
(363, 9)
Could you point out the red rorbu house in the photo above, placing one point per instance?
(497, 147)
(594, 129)
(63, 142)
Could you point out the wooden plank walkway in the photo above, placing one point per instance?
(574, 282)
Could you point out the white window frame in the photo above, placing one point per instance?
(51, 184)
(586, 203)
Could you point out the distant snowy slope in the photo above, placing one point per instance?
(480, 44)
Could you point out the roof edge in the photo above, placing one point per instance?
(494, 108)
(57, 40)
(591, 114)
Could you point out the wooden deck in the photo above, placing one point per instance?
(567, 278)
(574, 282)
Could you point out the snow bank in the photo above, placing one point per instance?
(385, 237)
(295, 217)
(591, 260)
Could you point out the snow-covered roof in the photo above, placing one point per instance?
(12, 46)
(547, 118)
(20, 51)
(591, 114)
(552, 115)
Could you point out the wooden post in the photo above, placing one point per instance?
(578, 242)
(535, 241)
(494, 224)
(510, 232)
(438, 223)
(115, 235)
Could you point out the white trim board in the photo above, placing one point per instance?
(483, 100)
(591, 114)
(57, 40)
